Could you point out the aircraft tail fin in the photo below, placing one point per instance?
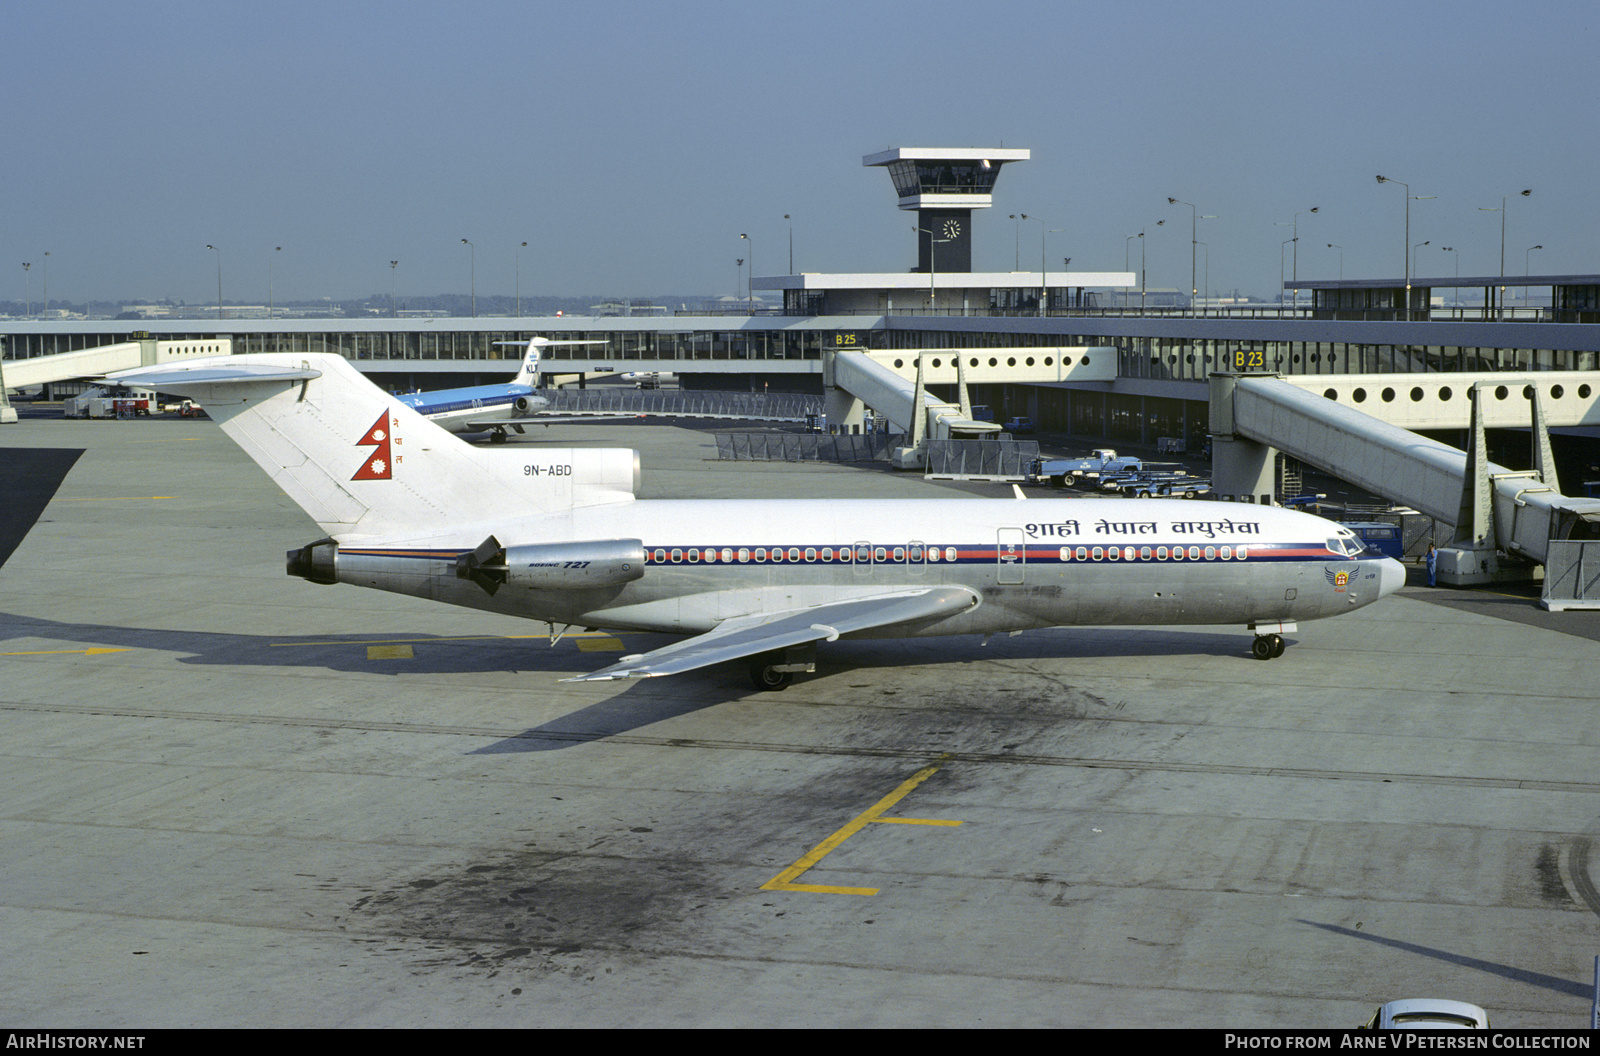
(529, 374)
(362, 463)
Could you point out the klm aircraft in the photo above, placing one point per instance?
(558, 536)
(498, 407)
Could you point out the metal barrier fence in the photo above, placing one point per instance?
(981, 459)
(757, 406)
(806, 447)
(1572, 575)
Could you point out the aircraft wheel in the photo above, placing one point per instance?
(1188, 494)
(497, 437)
(765, 677)
(1277, 646)
(1261, 648)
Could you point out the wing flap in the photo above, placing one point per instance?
(745, 636)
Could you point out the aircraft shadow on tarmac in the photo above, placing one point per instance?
(638, 703)
(1504, 971)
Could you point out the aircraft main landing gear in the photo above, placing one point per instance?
(1267, 646)
(765, 675)
(775, 670)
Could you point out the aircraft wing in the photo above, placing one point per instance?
(745, 636)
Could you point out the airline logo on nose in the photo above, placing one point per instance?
(380, 464)
(1340, 579)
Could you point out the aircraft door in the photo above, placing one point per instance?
(1011, 554)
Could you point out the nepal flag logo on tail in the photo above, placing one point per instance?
(380, 464)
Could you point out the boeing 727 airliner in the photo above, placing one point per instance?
(558, 536)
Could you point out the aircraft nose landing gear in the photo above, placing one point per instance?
(1267, 646)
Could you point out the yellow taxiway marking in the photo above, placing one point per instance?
(784, 881)
(390, 652)
(600, 644)
(95, 651)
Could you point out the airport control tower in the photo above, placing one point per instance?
(944, 185)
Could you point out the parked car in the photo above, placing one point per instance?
(1019, 425)
(1427, 1014)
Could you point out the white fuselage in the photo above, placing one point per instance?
(1034, 563)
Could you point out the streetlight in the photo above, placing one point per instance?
(219, 280)
(393, 314)
(474, 273)
(933, 263)
(1207, 282)
(44, 283)
(1016, 234)
(519, 278)
(271, 299)
(1502, 212)
(791, 243)
(1044, 284)
(1194, 219)
(27, 282)
(1418, 246)
(1341, 259)
(1130, 238)
(750, 283)
(1409, 198)
(1294, 273)
(1452, 249)
(1525, 257)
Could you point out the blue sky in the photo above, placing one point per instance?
(629, 143)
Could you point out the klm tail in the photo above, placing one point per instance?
(529, 374)
(364, 465)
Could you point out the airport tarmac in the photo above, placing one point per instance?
(236, 799)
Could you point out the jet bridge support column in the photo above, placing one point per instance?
(846, 413)
(1240, 466)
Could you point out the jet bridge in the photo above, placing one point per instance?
(1506, 522)
(893, 383)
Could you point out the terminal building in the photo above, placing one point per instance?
(1163, 358)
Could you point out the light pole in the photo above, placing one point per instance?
(271, 298)
(750, 283)
(1384, 179)
(1125, 248)
(520, 248)
(1294, 270)
(1016, 235)
(1194, 220)
(1502, 212)
(1206, 285)
(218, 252)
(393, 313)
(1525, 259)
(933, 263)
(44, 283)
(1414, 249)
(1044, 283)
(27, 283)
(1341, 259)
(474, 275)
(738, 275)
(791, 242)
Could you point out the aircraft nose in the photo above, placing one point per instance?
(1391, 576)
